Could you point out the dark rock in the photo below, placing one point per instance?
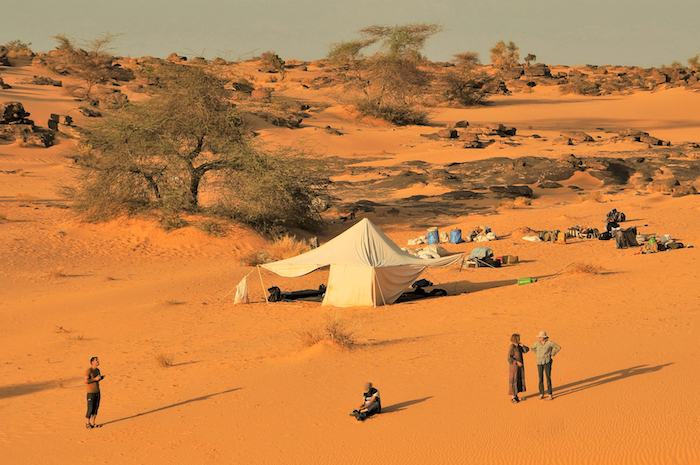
(562, 141)
(461, 195)
(462, 124)
(539, 69)
(512, 191)
(3, 85)
(13, 112)
(469, 137)
(89, 112)
(680, 191)
(549, 185)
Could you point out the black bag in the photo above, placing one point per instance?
(490, 261)
(605, 236)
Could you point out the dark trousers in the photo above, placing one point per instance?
(93, 404)
(541, 371)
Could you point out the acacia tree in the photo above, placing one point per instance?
(391, 80)
(156, 154)
(465, 84)
(92, 64)
(504, 56)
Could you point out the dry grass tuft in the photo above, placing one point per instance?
(333, 328)
(59, 383)
(58, 272)
(26, 198)
(586, 268)
(286, 247)
(172, 302)
(21, 173)
(254, 259)
(597, 196)
(519, 202)
(165, 360)
(641, 206)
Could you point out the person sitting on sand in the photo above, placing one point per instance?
(371, 403)
(545, 350)
(516, 370)
(92, 379)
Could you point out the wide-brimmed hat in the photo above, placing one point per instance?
(543, 334)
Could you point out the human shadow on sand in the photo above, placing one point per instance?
(402, 405)
(196, 399)
(600, 380)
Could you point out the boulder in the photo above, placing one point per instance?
(577, 136)
(264, 93)
(680, 191)
(3, 85)
(487, 129)
(447, 133)
(62, 119)
(562, 141)
(539, 69)
(469, 137)
(633, 133)
(4, 61)
(462, 124)
(13, 112)
(175, 58)
(549, 185)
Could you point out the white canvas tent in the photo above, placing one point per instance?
(366, 267)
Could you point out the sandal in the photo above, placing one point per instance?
(515, 400)
(88, 426)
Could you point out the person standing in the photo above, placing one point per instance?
(92, 380)
(516, 370)
(371, 403)
(545, 350)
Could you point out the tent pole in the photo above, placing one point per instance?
(263, 286)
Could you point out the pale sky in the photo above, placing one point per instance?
(566, 32)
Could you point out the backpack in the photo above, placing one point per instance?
(625, 238)
(615, 216)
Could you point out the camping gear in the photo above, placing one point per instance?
(615, 216)
(523, 281)
(242, 292)
(366, 267)
(625, 238)
(455, 236)
(276, 295)
(433, 236)
(561, 238)
(509, 259)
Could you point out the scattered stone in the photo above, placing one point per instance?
(3, 85)
(680, 191)
(13, 113)
(43, 81)
(89, 112)
(461, 195)
(462, 124)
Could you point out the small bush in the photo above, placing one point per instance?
(512, 204)
(164, 360)
(597, 196)
(170, 222)
(58, 272)
(333, 329)
(212, 228)
(587, 268)
(286, 247)
(400, 114)
(17, 48)
(581, 86)
(254, 259)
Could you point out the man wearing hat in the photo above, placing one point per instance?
(371, 403)
(545, 350)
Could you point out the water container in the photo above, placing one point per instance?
(433, 236)
(455, 236)
(523, 281)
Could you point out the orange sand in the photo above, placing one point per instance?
(243, 391)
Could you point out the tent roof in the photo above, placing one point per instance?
(361, 245)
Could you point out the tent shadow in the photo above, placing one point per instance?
(465, 287)
(184, 402)
(402, 405)
(600, 380)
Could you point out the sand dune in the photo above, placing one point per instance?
(242, 389)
